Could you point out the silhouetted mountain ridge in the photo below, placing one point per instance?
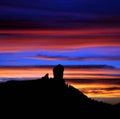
(46, 95)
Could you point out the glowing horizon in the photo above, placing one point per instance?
(97, 83)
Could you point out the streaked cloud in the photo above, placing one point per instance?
(100, 58)
(108, 91)
(17, 43)
(114, 81)
(93, 72)
(58, 15)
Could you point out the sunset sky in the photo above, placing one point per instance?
(82, 35)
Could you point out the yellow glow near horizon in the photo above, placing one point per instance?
(99, 90)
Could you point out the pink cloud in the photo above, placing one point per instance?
(50, 42)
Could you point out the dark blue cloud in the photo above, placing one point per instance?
(91, 6)
(53, 13)
(28, 8)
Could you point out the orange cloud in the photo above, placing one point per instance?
(95, 90)
(69, 73)
(23, 72)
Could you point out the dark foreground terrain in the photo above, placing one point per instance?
(50, 98)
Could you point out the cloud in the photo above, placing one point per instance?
(112, 88)
(51, 39)
(68, 58)
(115, 91)
(95, 54)
(98, 7)
(43, 16)
(94, 81)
